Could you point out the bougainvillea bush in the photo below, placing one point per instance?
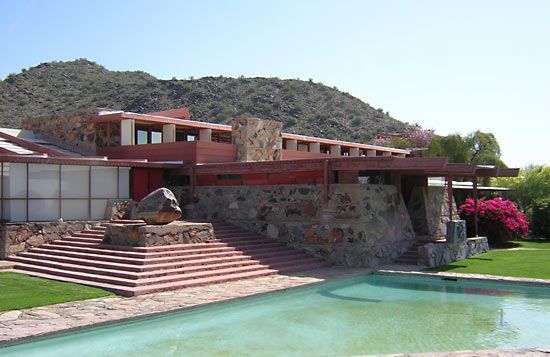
(498, 219)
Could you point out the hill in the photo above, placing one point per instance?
(304, 107)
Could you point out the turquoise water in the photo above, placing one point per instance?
(370, 314)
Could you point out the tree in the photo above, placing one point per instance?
(453, 146)
(485, 149)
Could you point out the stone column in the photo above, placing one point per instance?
(354, 152)
(169, 133)
(315, 147)
(336, 150)
(386, 153)
(256, 139)
(205, 135)
(371, 152)
(292, 145)
(400, 155)
(127, 132)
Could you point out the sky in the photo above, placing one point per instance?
(452, 66)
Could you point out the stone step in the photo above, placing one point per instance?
(6, 265)
(252, 242)
(82, 239)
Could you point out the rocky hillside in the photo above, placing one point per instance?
(304, 107)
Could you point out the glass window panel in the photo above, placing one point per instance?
(43, 181)
(156, 137)
(74, 209)
(104, 182)
(74, 181)
(15, 210)
(98, 209)
(141, 137)
(17, 174)
(124, 182)
(43, 210)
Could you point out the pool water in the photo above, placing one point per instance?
(371, 314)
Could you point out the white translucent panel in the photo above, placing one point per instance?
(15, 210)
(43, 210)
(124, 182)
(17, 187)
(104, 182)
(74, 181)
(43, 181)
(74, 209)
(156, 137)
(98, 209)
(142, 136)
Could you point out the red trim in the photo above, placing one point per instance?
(33, 159)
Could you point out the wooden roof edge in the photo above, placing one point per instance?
(86, 161)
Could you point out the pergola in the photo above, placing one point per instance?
(394, 166)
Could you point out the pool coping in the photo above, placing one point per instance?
(252, 287)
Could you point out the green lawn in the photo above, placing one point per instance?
(538, 244)
(516, 263)
(19, 291)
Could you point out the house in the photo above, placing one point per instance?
(353, 204)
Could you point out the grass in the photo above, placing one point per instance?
(515, 263)
(19, 291)
(537, 244)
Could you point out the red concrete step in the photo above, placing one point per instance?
(82, 239)
(210, 248)
(132, 265)
(88, 234)
(201, 281)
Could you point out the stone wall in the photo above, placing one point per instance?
(18, 237)
(256, 139)
(70, 130)
(142, 235)
(438, 211)
(436, 254)
(362, 225)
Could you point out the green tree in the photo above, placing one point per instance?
(485, 149)
(453, 146)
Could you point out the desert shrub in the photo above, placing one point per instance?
(541, 217)
(499, 220)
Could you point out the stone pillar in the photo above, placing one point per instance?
(456, 231)
(205, 135)
(127, 132)
(400, 155)
(386, 153)
(315, 147)
(257, 139)
(354, 152)
(336, 150)
(292, 145)
(371, 152)
(169, 133)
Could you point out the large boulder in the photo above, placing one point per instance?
(158, 207)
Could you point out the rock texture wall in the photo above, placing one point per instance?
(256, 139)
(435, 254)
(142, 235)
(362, 226)
(438, 211)
(18, 237)
(71, 130)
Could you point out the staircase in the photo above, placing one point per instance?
(410, 257)
(129, 271)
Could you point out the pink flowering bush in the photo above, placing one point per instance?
(498, 219)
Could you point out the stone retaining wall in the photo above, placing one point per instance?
(362, 225)
(18, 237)
(436, 254)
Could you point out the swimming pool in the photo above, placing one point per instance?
(371, 314)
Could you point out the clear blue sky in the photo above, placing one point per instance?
(454, 66)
